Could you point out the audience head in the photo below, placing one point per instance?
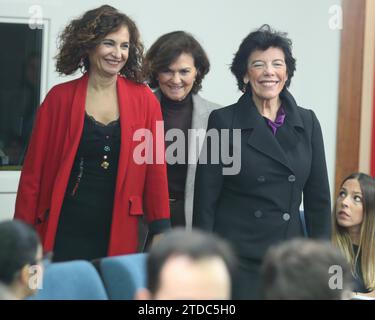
(177, 64)
(188, 265)
(354, 223)
(5, 294)
(302, 269)
(21, 256)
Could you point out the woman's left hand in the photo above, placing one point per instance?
(156, 238)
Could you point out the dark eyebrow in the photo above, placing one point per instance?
(113, 41)
(179, 70)
(255, 61)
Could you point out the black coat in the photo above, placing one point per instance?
(260, 206)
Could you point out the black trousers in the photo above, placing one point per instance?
(246, 280)
(177, 207)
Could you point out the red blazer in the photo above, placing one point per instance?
(53, 146)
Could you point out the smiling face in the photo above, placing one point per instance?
(110, 56)
(266, 73)
(177, 81)
(349, 206)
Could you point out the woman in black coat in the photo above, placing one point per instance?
(281, 153)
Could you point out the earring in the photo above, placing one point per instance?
(81, 65)
(245, 83)
(244, 86)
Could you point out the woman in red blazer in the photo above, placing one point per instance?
(81, 186)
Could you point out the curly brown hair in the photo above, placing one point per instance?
(82, 35)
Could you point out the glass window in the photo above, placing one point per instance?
(20, 79)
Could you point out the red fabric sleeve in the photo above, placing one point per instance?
(29, 185)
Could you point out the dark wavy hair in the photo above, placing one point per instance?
(262, 39)
(82, 35)
(19, 244)
(167, 49)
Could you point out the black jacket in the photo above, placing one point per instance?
(260, 206)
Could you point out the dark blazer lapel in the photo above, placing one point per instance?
(288, 134)
(261, 137)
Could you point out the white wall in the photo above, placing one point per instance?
(220, 26)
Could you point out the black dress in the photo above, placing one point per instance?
(85, 220)
(359, 284)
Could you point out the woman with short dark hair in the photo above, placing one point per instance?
(282, 158)
(175, 66)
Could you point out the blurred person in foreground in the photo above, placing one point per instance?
(21, 255)
(302, 269)
(188, 266)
